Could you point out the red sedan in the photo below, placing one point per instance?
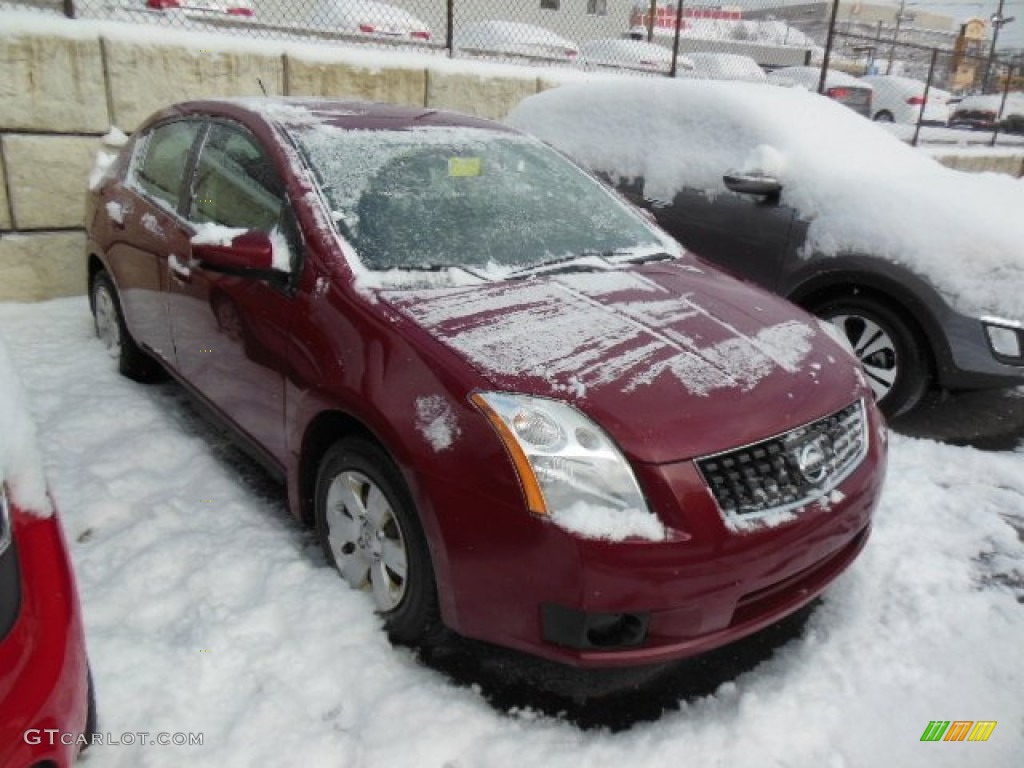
(508, 404)
(47, 713)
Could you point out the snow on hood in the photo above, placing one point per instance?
(21, 464)
(860, 188)
(665, 350)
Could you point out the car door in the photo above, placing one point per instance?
(231, 327)
(148, 231)
(747, 234)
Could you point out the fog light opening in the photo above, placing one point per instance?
(1005, 341)
(615, 630)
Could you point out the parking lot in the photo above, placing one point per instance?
(208, 610)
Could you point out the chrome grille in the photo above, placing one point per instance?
(789, 470)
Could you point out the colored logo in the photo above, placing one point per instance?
(958, 730)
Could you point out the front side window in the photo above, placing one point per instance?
(550, 5)
(236, 185)
(434, 198)
(597, 7)
(164, 159)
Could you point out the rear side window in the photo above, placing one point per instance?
(165, 153)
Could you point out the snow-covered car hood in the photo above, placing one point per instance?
(674, 360)
(860, 189)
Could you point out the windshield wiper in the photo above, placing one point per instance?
(442, 268)
(644, 258)
(587, 261)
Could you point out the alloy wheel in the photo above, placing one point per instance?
(108, 328)
(366, 539)
(875, 349)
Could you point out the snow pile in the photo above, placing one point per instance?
(436, 421)
(110, 146)
(21, 465)
(861, 189)
(216, 234)
(595, 522)
(208, 610)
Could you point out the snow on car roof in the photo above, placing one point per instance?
(992, 102)
(21, 464)
(860, 188)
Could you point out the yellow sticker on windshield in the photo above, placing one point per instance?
(463, 166)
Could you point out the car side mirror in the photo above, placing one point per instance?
(248, 254)
(752, 183)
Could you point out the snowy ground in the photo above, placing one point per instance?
(208, 610)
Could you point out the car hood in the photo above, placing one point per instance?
(673, 360)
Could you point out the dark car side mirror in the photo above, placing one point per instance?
(752, 184)
(250, 254)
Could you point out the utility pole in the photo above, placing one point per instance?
(895, 36)
(998, 20)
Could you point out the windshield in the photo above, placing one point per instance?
(432, 198)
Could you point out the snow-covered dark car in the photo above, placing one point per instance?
(505, 400)
(986, 112)
(919, 265)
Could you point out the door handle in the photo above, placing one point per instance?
(179, 271)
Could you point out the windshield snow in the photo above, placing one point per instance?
(434, 198)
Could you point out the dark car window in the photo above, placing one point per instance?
(165, 159)
(237, 186)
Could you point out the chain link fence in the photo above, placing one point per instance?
(654, 37)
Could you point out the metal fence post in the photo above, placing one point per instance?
(927, 88)
(449, 32)
(675, 42)
(1002, 106)
(828, 46)
(69, 8)
(652, 14)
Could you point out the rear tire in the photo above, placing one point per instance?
(108, 320)
(370, 532)
(884, 116)
(893, 356)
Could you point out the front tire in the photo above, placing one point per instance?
(369, 530)
(892, 354)
(108, 321)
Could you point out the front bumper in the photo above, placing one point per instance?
(972, 362)
(529, 585)
(43, 666)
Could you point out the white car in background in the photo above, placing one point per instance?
(726, 66)
(899, 100)
(240, 8)
(839, 86)
(622, 53)
(367, 18)
(513, 38)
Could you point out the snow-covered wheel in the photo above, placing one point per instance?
(369, 530)
(111, 330)
(884, 116)
(894, 359)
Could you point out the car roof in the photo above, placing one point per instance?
(296, 113)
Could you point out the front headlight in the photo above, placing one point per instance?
(562, 457)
